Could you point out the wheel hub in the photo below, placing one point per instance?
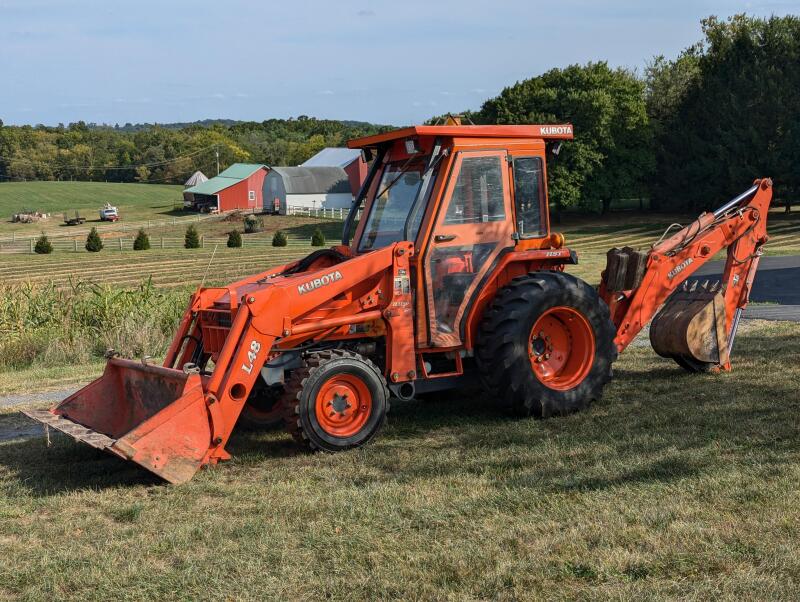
(343, 405)
(339, 403)
(561, 348)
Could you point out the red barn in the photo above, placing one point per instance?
(238, 187)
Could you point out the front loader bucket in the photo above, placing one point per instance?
(690, 327)
(152, 415)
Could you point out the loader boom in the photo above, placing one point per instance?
(740, 226)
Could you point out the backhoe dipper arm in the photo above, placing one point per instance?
(740, 226)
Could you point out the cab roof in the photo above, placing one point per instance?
(551, 132)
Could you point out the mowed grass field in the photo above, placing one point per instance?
(136, 202)
(674, 486)
(591, 237)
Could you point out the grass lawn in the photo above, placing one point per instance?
(136, 202)
(673, 486)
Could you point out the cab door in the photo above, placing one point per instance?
(473, 226)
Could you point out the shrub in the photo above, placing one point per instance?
(43, 246)
(234, 239)
(318, 238)
(279, 239)
(93, 241)
(142, 241)
(253, 224)
(192, 238)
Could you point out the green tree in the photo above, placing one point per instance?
(192, 238)
(737, 117)
(93, 242)
(279, 239)
(234, 239)
(43, 245)
(317, 238)
(142, 241)
(610, 157)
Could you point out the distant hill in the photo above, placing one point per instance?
(205, 123)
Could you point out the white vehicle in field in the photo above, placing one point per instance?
(109, 213)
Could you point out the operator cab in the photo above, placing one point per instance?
(464, 195)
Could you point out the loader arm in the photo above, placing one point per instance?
(740, 226)
(173, 419)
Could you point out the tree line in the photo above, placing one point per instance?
(168, 154)
(686, 134)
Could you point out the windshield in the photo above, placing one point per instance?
(397, 191)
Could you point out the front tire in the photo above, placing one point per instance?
(340, 401)
(546, 345)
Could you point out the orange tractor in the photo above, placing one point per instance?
(451, 273)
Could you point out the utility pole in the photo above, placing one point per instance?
(216, 151)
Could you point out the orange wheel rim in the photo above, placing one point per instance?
(561, 348)
(343, 405)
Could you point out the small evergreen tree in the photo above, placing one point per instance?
(192, 238)
(142, 241)
(318, 238)
(43, 246)
(93, 241)
(234, 239)
(253, 224)
(279, 239)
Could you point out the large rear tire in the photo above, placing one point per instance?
(340, 401)
(546, 345)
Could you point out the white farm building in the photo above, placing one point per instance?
(306, 187)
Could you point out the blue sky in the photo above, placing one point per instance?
(386, 62)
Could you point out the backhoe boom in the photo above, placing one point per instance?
(740, 226)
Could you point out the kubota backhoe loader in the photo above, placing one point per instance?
(451, 272)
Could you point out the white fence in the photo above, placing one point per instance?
(338, 213)
(118, 226)
(71, 238)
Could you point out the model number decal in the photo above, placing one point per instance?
(252, 354)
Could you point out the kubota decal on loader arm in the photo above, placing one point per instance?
(451, 275)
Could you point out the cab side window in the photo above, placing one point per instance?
(478, 194)
(528, 196)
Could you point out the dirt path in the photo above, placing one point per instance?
(13, 425)
(43, 397)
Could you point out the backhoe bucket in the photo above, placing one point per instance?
(690, 327)
(152, 415)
